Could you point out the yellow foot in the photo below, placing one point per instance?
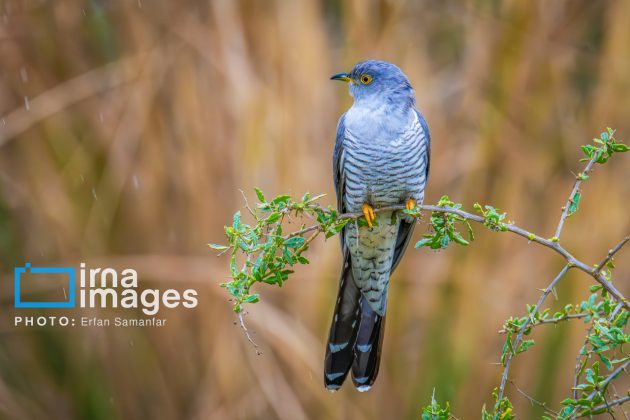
(410, 204)
(368, 213)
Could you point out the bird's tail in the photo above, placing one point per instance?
(355, 338)
(343, 330)
(367, 348)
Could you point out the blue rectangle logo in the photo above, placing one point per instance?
(17, 276)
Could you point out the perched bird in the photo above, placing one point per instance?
(381, 158)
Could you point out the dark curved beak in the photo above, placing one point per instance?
(344, 77)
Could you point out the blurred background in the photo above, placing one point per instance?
(127, 129)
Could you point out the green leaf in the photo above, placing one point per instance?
(423, 242)
(588, 150)
(218, 247)
(525, 345)
(273, 217)
(620, 147)
(457, 237)
(260, 195)
(251, 299)
(575, 201)
(471, 235)
(606, 361)
(294, 242)
(281, 199)
(236, 220)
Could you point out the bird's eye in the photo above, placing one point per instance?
(366, 79)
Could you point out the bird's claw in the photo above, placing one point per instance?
(410, 204)
(368, 213)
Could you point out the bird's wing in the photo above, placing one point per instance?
(338, 175)
(344, 327)
(427, 136)
(406, 229)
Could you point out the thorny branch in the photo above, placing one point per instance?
(609, 405)
(554, 321)
(572, 197)
(531, 237)
(271, 268)
(517, 342)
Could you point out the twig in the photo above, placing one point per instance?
(566, 317)
(610, 377)
(616, 395)
(519, 337)
(602, 385)
(615, 311)
(608, 405)
(249, 337)
(534, 401)
(578, 362)
(307, 242)
(303, 231)
(549, 243)
(576, 188)
(612, 253)
(248, 207)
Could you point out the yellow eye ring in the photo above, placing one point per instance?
(366, 79)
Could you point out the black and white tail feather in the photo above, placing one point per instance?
(356, 333)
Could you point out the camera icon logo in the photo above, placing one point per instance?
(27, 269)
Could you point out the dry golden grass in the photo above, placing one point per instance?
(128, 128)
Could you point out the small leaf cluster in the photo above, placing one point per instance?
(502, 409)
(435, 411)
(443, 228)
(260, 252)
(592, 398)
(604, 342)
(512, 327)
(492, 218)
(605, 146)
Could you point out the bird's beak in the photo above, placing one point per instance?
(344, 77)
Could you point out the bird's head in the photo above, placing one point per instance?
(377, 82)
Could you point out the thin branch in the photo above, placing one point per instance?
(566, 317)
(615, 311)
(307, 242)
(616, 395)
(603, 384)
(519, 337)
(549, 243)
(610, 377)
(249, 209)
(612, 253)
(578, 362)
(576, 188)
(608, 405)
(533, 400)
(247, 334)
(303, 231)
